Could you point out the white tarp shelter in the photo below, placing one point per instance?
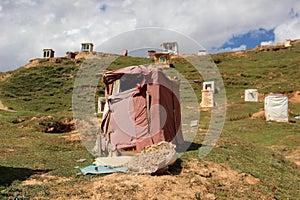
(276, 108)
(251, 95)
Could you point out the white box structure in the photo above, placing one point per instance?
(276, 108)
(208, 91)
(251, 95)
(202, 53)
(210, 85)
(170, 47)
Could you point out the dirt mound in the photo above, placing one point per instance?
(47, 124)
(64, 125)
(294, 96)
(196, 180)
(153, 158)
(258, 115)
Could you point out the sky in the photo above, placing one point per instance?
(29, 26)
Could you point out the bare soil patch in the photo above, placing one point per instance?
(45, 179)
(258, 115)
(293, 96)
(196, 180)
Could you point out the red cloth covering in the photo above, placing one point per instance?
(127, 122)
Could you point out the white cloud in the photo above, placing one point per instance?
(288, 30)
(228, 49)
(31, 25)
(26, 2)
(266, 43)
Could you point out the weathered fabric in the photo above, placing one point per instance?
(128, 123)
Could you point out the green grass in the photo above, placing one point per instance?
(267, 71)
(271, 168)
(40, 89)
(251, 146)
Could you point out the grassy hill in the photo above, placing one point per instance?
(40, 95)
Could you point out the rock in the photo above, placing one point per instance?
(260, 114)
(58, 126)
(210, 196)
(251, 180)
(18, 120)
(153, 158)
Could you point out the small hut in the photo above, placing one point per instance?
(143, 109)
(202, 53)
(87, 47)
(48, 53)
(162, 58)
(170, 47)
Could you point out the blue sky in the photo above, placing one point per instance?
(29, 26)
(250, 39)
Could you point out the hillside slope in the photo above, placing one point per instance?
(253, 158)
(47, 86)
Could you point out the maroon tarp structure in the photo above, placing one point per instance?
(143, 109)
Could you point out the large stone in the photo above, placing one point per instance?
(153, 158)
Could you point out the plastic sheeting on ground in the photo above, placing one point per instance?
(115, 161)
(152, 159)
(95, 169)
